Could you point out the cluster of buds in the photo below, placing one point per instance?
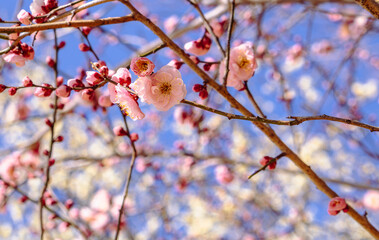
(202, 90)
(20, 54)
(199, 47)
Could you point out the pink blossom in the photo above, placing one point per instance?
(142, 66)
(24, 17)
(336, 205)
(105, 101)
(8, 167)
(126, 101)
(223, 174)
(199, 47)
(63, 91)
(93, 78)
(163, 89)
(122, 76)
(371, 200)
(242, 65)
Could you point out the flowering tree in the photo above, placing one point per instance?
(189, 119)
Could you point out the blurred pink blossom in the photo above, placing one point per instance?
(199, 47)
(223, 174)
(371, 200)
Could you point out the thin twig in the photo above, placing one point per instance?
(134, 156)
(230, 30)
(48, 167)
(296, 121)
(207, 25)
(267, 164)
(252, 100)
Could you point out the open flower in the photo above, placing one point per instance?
(127, 102)
(336, 205)
(142, 66)
(163, 89)
(242, 65)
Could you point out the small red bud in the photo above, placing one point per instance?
(51, 162)
(207, 66)
(62, 44)
(2, 88)
(12, 91)
(69, 203)
(45, 152)
(23, 199)
(60, 106)
(86, 30)
(197, 87)
(203, 94)
(27, 82)
(48, 122)
(84, 47)
(59, 139)
(134, 137)
(119, 131)
(50, 62)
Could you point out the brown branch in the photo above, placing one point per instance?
(78, 23)
(370, 5)
(321, 185)
(296, 121)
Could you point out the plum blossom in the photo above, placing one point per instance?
(127, 102)
(242, 65)
(163, 89)
(142, 66)
(336, 205)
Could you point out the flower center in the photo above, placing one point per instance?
(144, 66)
(165, 88)
(243, 62)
